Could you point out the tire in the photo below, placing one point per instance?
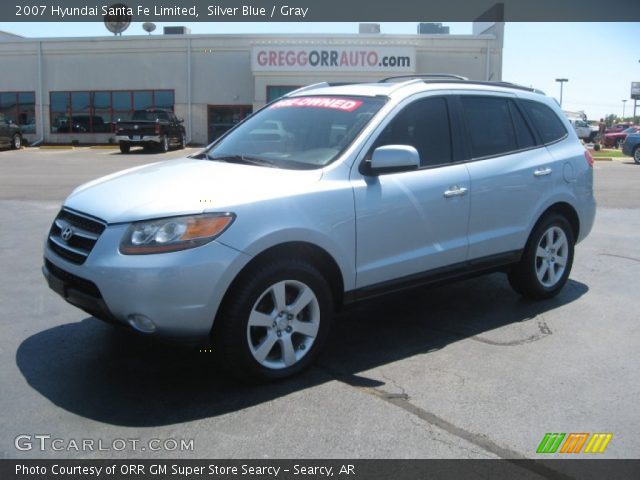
(547, 259)
(16, 142)
(183, 142)
(164, 144)
(261, 334)
(124, 147)
(619, 142)
(636, 155)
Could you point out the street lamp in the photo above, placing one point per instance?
(561, 80)
(624, 102)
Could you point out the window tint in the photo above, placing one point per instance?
(545, 121)
(489, 125)
(523, 133)
(424, 125)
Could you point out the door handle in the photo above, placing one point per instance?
(541, 172)
(455, 191)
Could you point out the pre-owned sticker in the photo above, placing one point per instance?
(343, 104)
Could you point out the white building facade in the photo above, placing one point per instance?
(67, 90)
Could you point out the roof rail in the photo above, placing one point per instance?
(490, 84)
(424, 75)
(307, 87)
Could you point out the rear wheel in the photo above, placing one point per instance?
(124, 147)
(183, 141)
(164, 144)
(546, 261)
(636, 154)
(275, 321)
(16, 142)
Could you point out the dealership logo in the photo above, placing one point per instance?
(66, 234)
(573, 443)
(338, 59)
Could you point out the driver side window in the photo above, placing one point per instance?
(424, 124)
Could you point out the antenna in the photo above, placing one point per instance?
(148, 27)
(118, 18)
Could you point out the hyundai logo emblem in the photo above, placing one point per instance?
(66, 234)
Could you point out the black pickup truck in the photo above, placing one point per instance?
(151, 128)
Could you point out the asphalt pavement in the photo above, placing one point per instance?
(467, 370)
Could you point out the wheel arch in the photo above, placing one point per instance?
(300, 250)
(566, 210)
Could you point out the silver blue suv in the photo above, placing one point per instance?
(325, 197)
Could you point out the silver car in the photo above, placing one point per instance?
(363, 189)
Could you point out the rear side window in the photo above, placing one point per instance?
(545, 121)
(523, 133)
(424, 124)
(489, 124)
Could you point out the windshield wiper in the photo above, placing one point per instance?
(243, 159)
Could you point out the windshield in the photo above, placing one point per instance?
(630, 130)
(297, 133)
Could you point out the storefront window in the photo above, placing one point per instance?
(276, 91)
(224, 117)
(19, 107)
(97, 112)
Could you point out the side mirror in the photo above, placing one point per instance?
(394, 158)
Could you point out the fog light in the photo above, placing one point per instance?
(141, 323)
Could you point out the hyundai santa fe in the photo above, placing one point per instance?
(361, 190)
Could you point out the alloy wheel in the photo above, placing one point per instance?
(283, 324)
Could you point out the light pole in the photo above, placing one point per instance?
(561, 80)
(624, 102)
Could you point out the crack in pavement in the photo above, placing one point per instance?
(401, 400)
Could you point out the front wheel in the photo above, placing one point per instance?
(619, 142)
(546, 261)
(16, 142)
(275, 321)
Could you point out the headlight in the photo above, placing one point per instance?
(175, 233)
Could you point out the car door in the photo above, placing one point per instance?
(412, 222)
(510, 171)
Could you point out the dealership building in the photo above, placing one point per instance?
(63, 90)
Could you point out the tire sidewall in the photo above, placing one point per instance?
(230, 328)
(16, 142)
(531, 284)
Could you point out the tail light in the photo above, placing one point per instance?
(588, 157)
(157, 129)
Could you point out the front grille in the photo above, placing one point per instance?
(73, 281)
(85, 232)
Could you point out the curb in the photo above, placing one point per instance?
(104, 147)
(56, 147)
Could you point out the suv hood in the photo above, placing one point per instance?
(184, 186)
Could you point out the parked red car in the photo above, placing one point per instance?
(616, 139)
(618, 127)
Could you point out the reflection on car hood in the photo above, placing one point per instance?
(184, 186)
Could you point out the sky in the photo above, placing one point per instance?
(600, 60)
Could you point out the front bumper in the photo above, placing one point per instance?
(180, 292)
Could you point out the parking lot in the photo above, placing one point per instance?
(467, 370)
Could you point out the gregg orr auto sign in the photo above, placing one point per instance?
(333, 59)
